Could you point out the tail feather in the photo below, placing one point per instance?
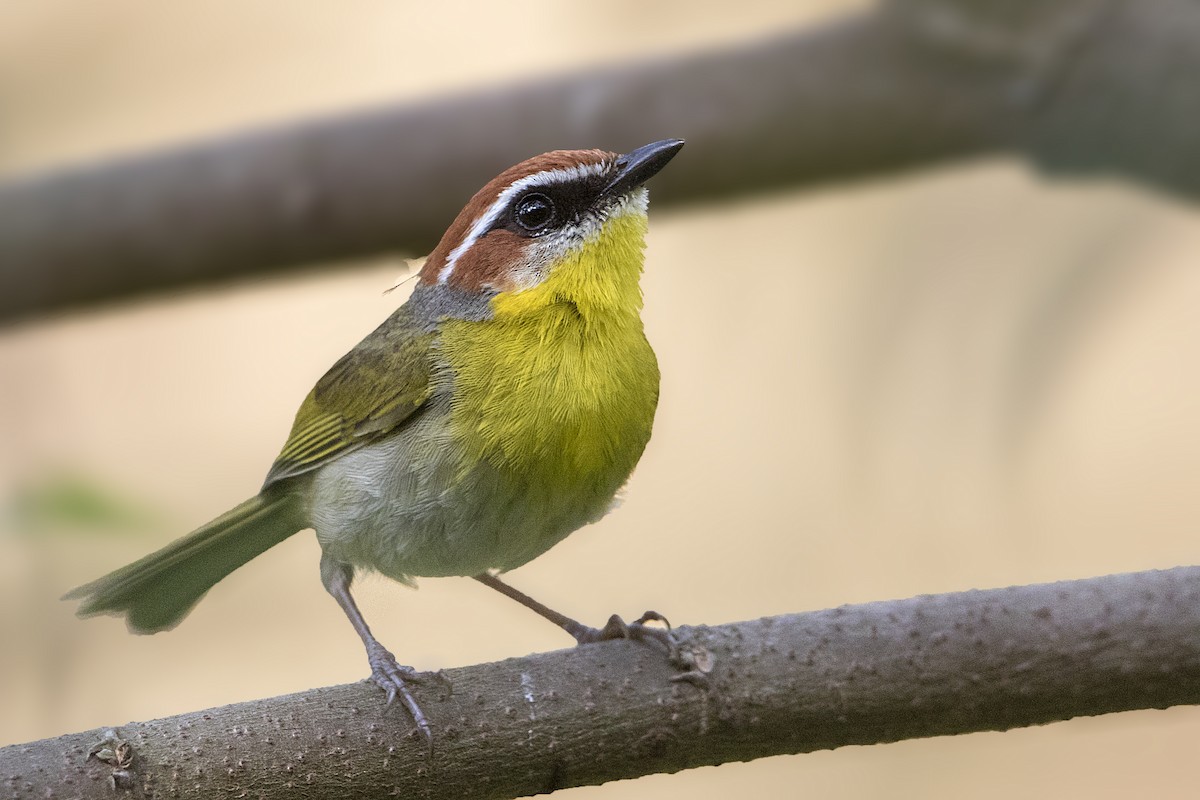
(157, 591)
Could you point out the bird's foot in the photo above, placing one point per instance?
(693, 662)
(394, 679)
(617, 628)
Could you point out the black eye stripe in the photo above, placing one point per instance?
(571, 199)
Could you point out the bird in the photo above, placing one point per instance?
(501, 407)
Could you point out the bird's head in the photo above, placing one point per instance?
(565, 226)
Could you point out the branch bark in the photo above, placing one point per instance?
(879, 672)
(1076, 85)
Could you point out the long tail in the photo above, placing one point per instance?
(156, 592)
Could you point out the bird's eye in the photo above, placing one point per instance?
(535, 212)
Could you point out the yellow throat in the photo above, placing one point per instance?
(561, 385)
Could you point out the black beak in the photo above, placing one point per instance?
(640, 165)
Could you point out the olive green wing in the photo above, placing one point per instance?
(366, 395)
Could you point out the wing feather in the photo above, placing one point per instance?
(369, 393)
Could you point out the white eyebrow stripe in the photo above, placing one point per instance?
(546, 177)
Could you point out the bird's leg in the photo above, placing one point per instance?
(390, 676)
(615, 628)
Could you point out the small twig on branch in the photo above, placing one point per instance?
(879, 672)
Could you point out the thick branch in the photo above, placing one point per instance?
(1077, 85)
(880, 672)
(849, 99)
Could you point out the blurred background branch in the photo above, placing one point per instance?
(1077, 86)
(879, 672)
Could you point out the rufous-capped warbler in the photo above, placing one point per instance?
(496, 411)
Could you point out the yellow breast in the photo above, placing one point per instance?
(560, 387)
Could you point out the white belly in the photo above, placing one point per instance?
(406, 506)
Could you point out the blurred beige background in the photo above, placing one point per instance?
(966, 378)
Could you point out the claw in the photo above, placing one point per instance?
(636, 631)
(694, 663)
(652, 616)
(394, 678)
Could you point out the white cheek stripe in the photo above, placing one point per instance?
(547, 177)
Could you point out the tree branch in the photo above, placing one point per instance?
(879, 672)
(1077, 85)
(393, 178)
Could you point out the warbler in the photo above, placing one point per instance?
(496, 411)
